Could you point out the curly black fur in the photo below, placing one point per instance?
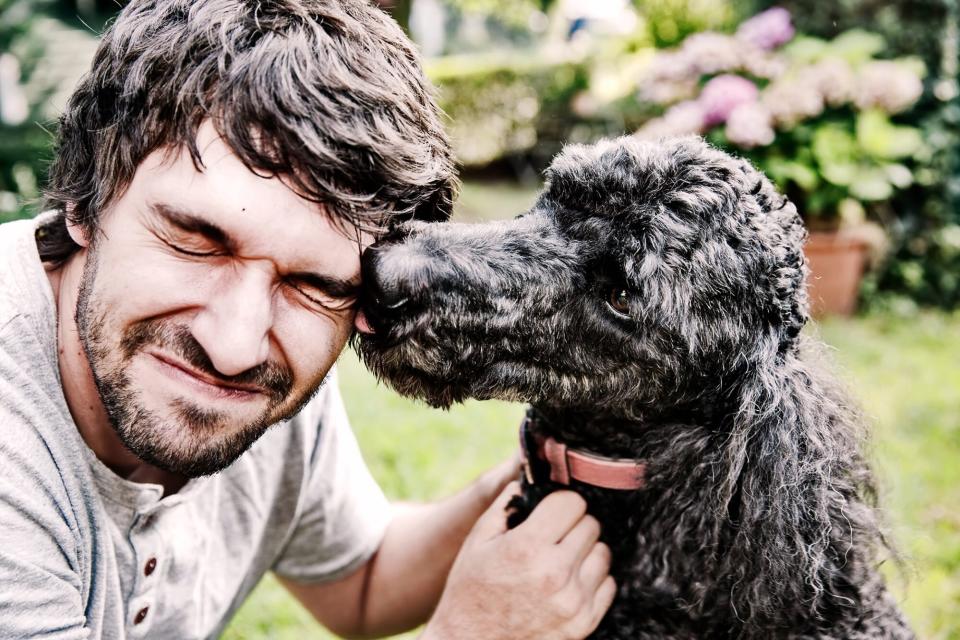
(758, 519)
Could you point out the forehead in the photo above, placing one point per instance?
(262, 216)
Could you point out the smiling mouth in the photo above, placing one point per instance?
(205, 382)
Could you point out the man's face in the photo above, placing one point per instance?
(212, 305)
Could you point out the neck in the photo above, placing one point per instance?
(80, 389)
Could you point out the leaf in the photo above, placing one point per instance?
(843, 174)
(899, 175)
(833, 144)
(856, 46)
(871, 183)
(914, 64)
(836, 153)
(783, 171)
(805, 49)
(880, 138)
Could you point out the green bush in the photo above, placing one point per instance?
(499, 107)
(668, 22)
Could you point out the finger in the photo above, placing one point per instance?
(602, 600)
(554, 517)
(595, 568)
(508, 470)
(580, 540)
(493, 522)
(514, 462)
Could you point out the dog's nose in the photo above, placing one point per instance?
(383, 288)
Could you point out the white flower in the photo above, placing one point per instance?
(709, 52)
(763, 64)
(668, 91)
(834, 79)
(792, 99)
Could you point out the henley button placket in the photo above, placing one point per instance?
(148, 551)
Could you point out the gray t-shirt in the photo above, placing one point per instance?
(87, 554)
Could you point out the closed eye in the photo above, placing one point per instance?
(189, 252)
(333, 295)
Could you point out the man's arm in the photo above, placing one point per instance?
(550, 573)
(41, 552)
(400, 586)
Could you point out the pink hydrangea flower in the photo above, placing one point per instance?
(750, 125)
(723, 94)
(681, 119)
(767, 30)
(887, 85)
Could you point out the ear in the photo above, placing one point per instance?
(798, 483)
(77, 233)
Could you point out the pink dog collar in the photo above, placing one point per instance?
(583, 466)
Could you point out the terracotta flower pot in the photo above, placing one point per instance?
(836, 262)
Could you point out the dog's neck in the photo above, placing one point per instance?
(666, 449)
(617, 435)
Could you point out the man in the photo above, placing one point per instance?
(167, 329)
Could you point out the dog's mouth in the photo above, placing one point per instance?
(420, 354)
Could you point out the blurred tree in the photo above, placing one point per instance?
(89, 9)
(399, 9)
(23, 143)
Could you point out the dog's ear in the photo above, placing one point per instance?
(795, 483)
(594, 179)
(781, 234)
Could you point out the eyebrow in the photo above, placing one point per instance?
(193, 223)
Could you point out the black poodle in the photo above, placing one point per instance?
(649, 307)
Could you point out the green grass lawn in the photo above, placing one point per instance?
(905, 372)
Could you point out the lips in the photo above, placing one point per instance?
(216, 385)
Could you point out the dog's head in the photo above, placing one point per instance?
(646, 274)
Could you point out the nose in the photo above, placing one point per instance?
(234, 326)
(384, 284)
(399, 273)
(389, 276)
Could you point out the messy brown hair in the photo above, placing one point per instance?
(328, 94)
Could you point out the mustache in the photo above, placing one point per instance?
(275, 379)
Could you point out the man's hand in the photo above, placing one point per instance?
(546, 579)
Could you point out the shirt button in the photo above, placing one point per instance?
(150, 566)
(141, 615)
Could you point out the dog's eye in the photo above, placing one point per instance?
(619, 302)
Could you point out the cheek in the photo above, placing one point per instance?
(151, 290)
(310, 342)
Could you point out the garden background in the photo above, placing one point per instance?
(852, 107)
